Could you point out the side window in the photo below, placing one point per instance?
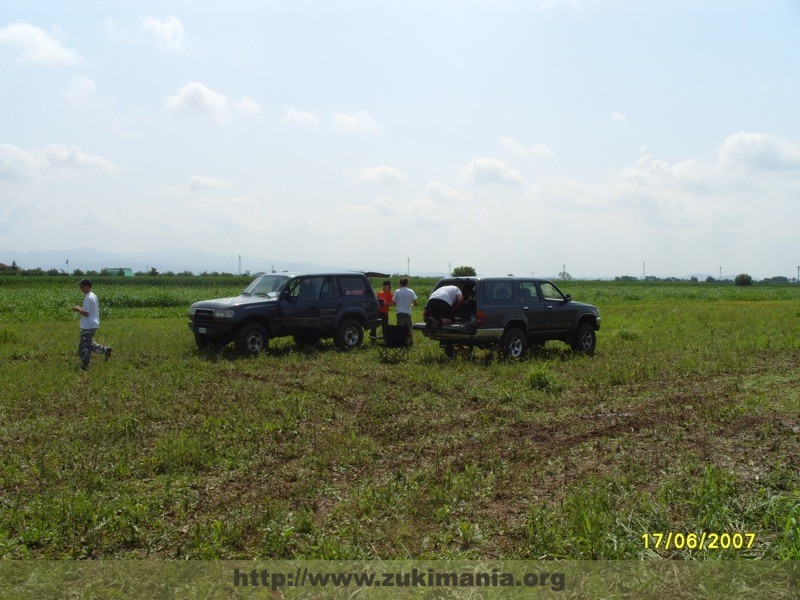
(306, 287)
(528, 292)
(551, 292)
(498, 291)
(353, 286)
(328, 291)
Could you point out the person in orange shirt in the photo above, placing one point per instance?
(385, 300)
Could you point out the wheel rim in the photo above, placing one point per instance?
(586, 341)
(255, 341)
(515, 347)
(351, 336)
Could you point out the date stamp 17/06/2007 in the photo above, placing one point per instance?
(677, 540)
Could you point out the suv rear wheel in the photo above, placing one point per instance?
(349, 335)
(515, 344)
(251, 339)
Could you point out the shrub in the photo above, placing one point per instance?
(542, 379)
(743, 279)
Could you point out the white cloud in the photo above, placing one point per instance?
(203, 182)
(34, 46)
(195, 97)
(359, 122)
(65, 155)
(433, 205)
(16, 163)
(246, 105)
(759, 151)
(383, 174)
(300, 117)
(168, 33)
(521, 149)
(124, 133)
(620, 118)
(79, 90)
(19, 164)
(490, 170)
(444, 194)
(113, 32)
(383, 206)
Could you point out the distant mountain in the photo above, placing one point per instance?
(176, 260)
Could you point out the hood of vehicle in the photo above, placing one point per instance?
(233, 302)
(591, 307)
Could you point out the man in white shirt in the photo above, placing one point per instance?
(90, 323)
(404, 300)
(442, 304)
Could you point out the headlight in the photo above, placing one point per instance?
(223, 313)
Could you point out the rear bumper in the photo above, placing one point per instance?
(462, 332)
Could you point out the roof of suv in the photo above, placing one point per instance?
(315, 274)
(497, 277)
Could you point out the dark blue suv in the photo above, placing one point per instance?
(513, 313)
(309, 306)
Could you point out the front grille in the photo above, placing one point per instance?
(204, 315)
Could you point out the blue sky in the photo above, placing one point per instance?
(513, 136)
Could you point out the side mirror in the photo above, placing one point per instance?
(567, 298)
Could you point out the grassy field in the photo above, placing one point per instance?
(686, 421)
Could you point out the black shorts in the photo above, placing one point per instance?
(440, 309)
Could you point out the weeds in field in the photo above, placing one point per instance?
(685, 420)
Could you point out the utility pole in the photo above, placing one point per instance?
(798, 274)
(408, 267)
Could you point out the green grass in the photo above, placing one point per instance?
(686, 420)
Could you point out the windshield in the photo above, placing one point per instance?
(266, 285)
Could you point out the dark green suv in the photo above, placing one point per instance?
(309, 306)
(513, 313)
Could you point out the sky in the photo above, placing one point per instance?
(604, 137)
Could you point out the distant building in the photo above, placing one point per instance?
(120, 271)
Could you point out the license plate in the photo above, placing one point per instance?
(202, 330)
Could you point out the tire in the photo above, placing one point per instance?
(515, 343)
(585, 339)
(350, 335)
(251, 339)
(450, 351)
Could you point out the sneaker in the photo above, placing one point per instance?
(108, 352)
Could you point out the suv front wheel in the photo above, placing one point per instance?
(251, 339)
(585, 339)
(349, 335)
